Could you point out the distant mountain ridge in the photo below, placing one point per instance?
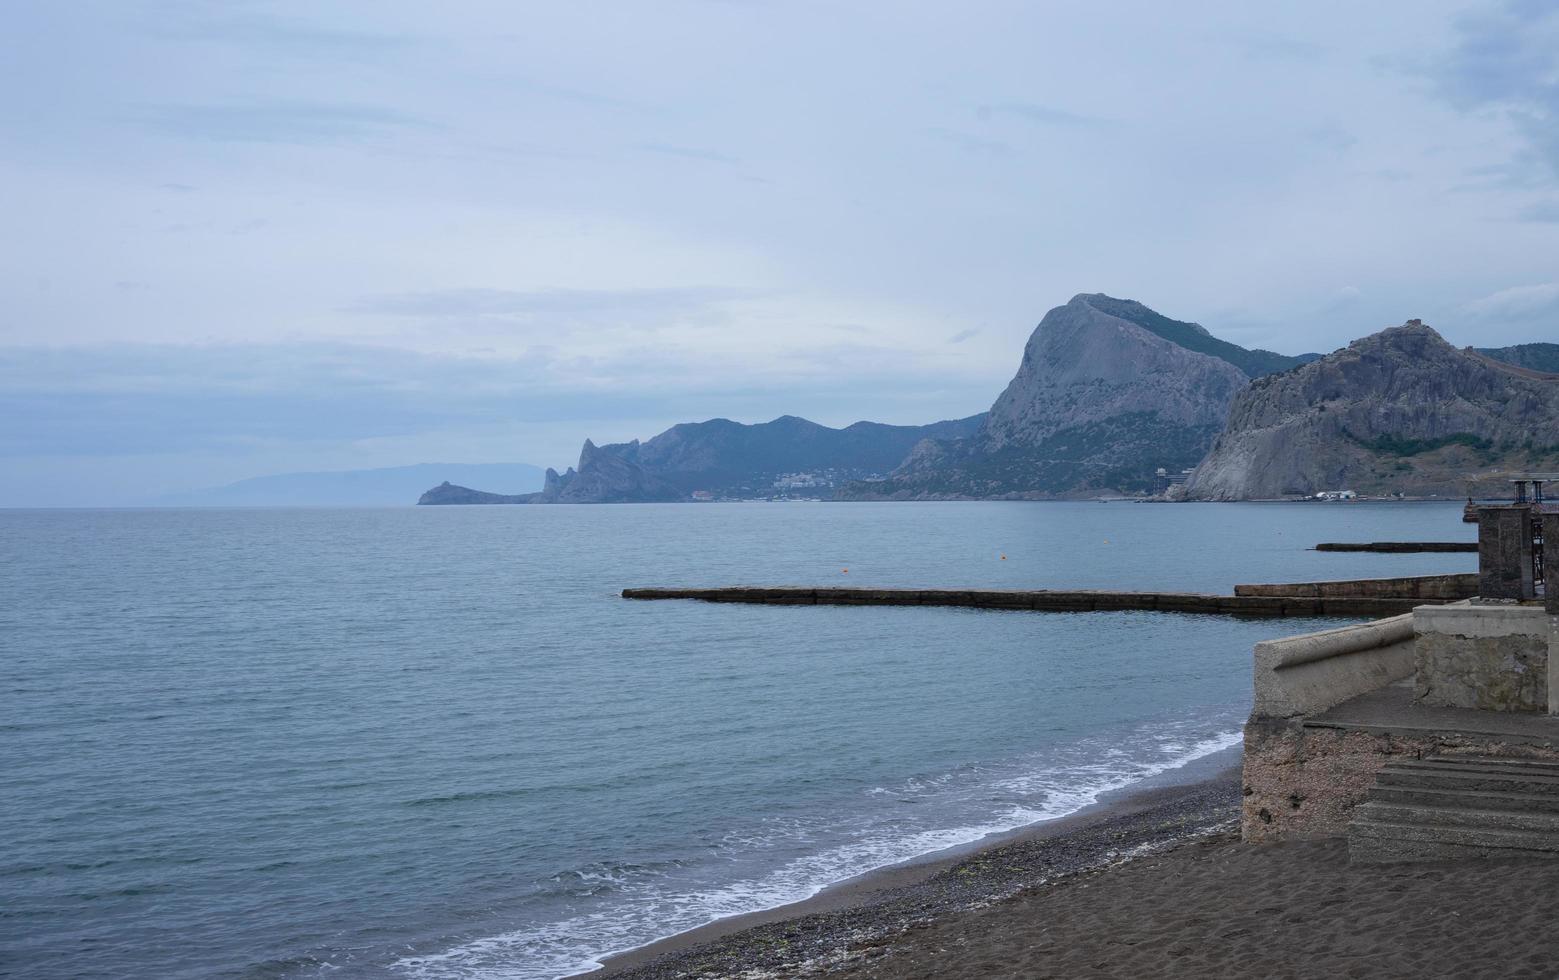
(1535, 357)
(1108, 391)
(724, 459)
(721, 455)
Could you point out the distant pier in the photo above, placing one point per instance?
(1046, 600)
(1400, 547)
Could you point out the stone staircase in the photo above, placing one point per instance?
(1452, 806)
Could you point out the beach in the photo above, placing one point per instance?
(1156, 884)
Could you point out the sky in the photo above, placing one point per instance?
(253, 237)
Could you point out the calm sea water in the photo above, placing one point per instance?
(434, 743)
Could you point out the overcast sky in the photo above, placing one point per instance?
(249, 237)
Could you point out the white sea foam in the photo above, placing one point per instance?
(652, 909)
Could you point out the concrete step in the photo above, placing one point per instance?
(1383, 845)
(1447, 807)
(1408, 832)
(1477, 799)
(1498, 760)
(1460, 817)
(1468, 779)
(1480, 763)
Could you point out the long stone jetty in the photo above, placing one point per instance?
(1400, 547)
(1048, 600)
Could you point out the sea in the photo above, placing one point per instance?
(434, 743)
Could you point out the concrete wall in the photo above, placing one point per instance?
(1303, 778)
(1301, 783)
(1415, 587)
(1305, 675)
(1491, 657)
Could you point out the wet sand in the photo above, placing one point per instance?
(1219, 908)
(886, 903)
(1153, 885)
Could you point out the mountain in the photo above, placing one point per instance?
(722, 458)
(389, 486)
(1108, 391)
(601, 478)
(1398, 411)
(1195, 337)
(449, 493)
(1536, 357)
(732, 459)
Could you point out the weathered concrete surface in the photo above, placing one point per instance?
(1505, 552)
(1303, 778)
(1443, 587)
(1489, 657)
(1303, 675)
(1302, 783)
(1045, 600)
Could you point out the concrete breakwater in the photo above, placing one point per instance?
(1425, 588)
(1048, 600)
(1400, 547)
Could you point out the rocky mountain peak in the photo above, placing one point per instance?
(1107, 392)
(1401, 410)
(1083, 364)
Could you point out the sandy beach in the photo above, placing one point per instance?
(1155, 884)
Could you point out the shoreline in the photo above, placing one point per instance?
(1196, 800)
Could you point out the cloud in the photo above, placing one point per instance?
(969, 143)
(1041, 115)
(280, 34)
(1540, 211)
(1344, 298)
(1332, 137)
(963, 335)
(1506, 61)
(544, 302)
(1269, 48)
(689, 153)
(1518, 303)
(159, 399)
(281, 122)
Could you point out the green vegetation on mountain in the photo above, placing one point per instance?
(1534, 357)
(1193, 336)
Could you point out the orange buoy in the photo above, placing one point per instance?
(844, 571)
(1003, 557)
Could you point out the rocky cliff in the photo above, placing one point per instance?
(1398, 411)
(1108, 391)
(601, 478)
